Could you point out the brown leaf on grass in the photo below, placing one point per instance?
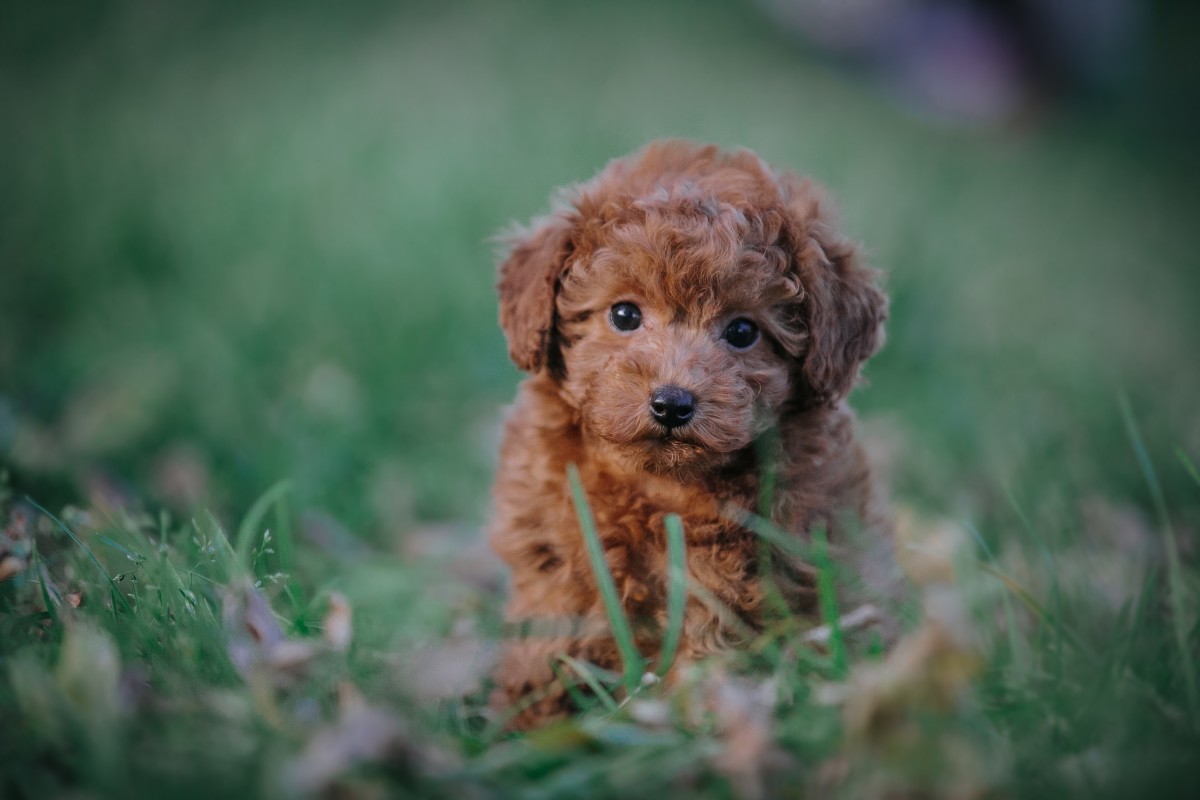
(926, 548)
(361, 735)
(337, 626)
(650, 713)
(16, 544)
(743, 712)
(908, 719)
(256, 644)
(19, 528)
(929, 670)
(862, 617)
(11, 564)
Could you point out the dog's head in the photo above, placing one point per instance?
(685, 299)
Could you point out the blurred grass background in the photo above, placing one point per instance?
(257, 240)
(245, 244)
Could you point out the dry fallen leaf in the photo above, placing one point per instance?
(926, 548)
(337, 627)
(15, 544)
(650, 713)
(862, 617)
(929, 669)
(911, 710)
(743, 710)
(256, 644)
(10, 564)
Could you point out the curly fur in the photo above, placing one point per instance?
(696, 237)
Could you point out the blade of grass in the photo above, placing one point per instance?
(1129, 627)
(1174, 572)
(223, 551)
(1054, 653)
(571, 685)
(587, 675)
(112, 585)
(40, 571)
(283, 544)
(499, 725)
(676, 591)
(788, 543)
(1051, 621)
(767, 449)
(828, 601)
(723, 612)
(1010, 618)
(136, 558)
(1188, 465)
(168, 568)
(254, 518)
(770, 539)
(631, 659)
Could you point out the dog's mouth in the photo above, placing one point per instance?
(669, 437)
(680, 444)
(667, 434)
(681, 449)
(668, 451)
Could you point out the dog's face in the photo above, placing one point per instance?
(670, 333)
(685, 301)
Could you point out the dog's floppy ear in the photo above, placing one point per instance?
(843, 309)
(528, 282)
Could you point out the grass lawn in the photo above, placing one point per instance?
(251, 383)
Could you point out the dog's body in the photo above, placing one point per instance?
(692, 324)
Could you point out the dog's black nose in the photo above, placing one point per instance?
(672, 406)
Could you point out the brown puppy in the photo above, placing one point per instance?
(677, 315)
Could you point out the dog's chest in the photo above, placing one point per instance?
(631, 525)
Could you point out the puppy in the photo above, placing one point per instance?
(691, 323)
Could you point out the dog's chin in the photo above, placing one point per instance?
(674, 453)
(669, 455)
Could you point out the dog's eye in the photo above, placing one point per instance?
(626, 317)
(741, 333)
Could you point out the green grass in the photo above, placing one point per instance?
(676, 591)
(632, 663)
(246, 287)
